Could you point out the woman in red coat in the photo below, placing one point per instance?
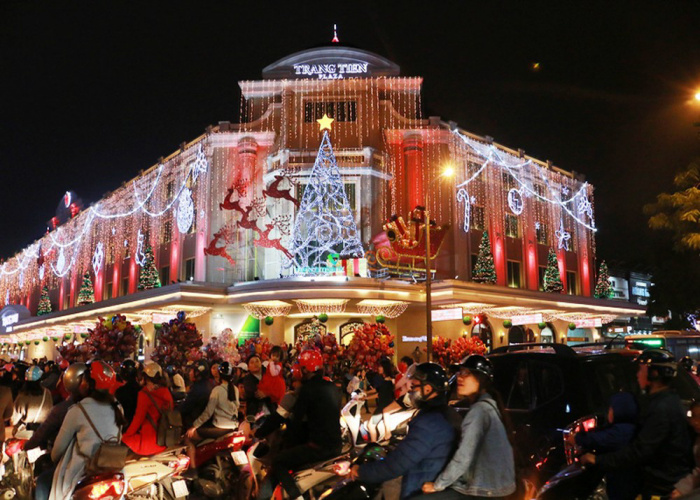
(141, 435)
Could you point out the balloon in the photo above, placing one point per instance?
(181, 316)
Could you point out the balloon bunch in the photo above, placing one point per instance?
(74, 353)
(326, 344)
(178, 342)
(447, 351)
(258, 345)
(113, 340)
(223, 347)
(370, 343)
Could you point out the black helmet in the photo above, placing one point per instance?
(225, 369)
(432, 374)
(478, 363)
(661, 360)
(128, 369)
(170, 370)
(686, 362)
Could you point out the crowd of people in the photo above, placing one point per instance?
(71, 409)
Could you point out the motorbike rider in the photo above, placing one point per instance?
(198, 396)
(50, 427)
(662, 447)
(32, 404)
(687, 363)
(141, 436)
(128, 394)
(430, 441)
(315, 425)
(6, 407)
(76, 440)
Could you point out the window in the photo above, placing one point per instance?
(548, 382)
(519, 392)
(125, 287)
(571, 284)
(169, 190)
(189, 269)
(477, 221)
(539, 191)
(512, 230)
(108, 291)
(541, 234)
(508, 181)
(513, 274)
(542, 271)
(341, 111)
(165, 275)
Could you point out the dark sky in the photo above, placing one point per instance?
(94, 91)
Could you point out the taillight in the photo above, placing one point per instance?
(588, 424)
(237, 441)
(182, 463)
(106, 489)
(341, 468)
(581, 425)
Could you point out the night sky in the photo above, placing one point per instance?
(94, 91)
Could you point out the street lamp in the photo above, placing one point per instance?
(447, 173)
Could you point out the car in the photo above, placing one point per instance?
(547, 387)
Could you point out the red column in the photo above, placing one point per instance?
(413, 161)
(533, 276)
(246, 171)
(561, 263)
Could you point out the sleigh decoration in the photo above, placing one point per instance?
(400, 248)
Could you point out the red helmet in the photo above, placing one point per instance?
(102, 374)
(296, 372)
(311, 360)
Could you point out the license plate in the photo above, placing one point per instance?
(180, 488)
(34, 454)
(239, 457)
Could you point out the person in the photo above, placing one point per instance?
(688, 364)
(691, 482)
(402, 382)
(48, 430)
(662, 445)
(314, 429)
(32, 404)
(483, 465)
(427, 447)
(382, 382)
(272, 384)
(621, 428)
(253, 398)
(6, 408)
(128, 394)
(178, 388)
(77, 440)
(198, 396)
(49, 380)
(154, 398)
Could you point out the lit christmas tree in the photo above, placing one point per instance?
(552, 279)
(325, 223)
(484, 271)
(178, 342)
(603, 287)
(148, 277)
(44, 302)
(86, 295)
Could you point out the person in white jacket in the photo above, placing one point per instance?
(222, 410)
(76, 440)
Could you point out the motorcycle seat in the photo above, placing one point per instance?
(211, 440)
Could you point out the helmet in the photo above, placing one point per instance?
(71, 378)
(431, 374)
(170, 370)
(225, 369)
(296, 372)
(201, 366)
(686, 362)
(128, 369)
(102, 374)
(477, 363)
(311, 360)
(659, 359)
(152, 369)
(64, 364)
(33, 374)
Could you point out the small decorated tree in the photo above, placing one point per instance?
(370, 343)
(148, 277)
(44, 302)
(86, 295)
(552, 280)
(484, 271)
(178, 342)
(603, 287)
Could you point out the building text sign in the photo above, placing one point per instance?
(527, 319)
(331, 71)
(447, 314)
(588, 323)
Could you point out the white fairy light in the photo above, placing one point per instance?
(263, 309)
(387, 308)
(321, 306)
(515, 201)
(185, 211)
(139, 255)
(98, 257)
(563, 236)
(463, 196)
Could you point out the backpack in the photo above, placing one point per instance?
(169, 428)
(109, 457)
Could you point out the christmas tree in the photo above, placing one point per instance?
(603, 287)
(44, 302)
(148, 277)
(178, 342)
(325, 223)
(552, 279)
(484, 270)
(86, 295)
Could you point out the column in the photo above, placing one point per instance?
(413, 162)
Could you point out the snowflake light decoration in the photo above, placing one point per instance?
(515, 201)
(563, 236)
(41, 272)
(60, 261)
(185, 211)
(97, 257)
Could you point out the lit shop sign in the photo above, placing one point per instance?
(159, 318)
(80, 329)
(588, 323)
(10, 319)
(423, 338)
(446, 314)
(526, 319)
(11, 315)
(332, 71)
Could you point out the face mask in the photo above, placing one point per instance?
(416, 396)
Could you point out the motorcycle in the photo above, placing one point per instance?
(347, 489)
(218, 464)
(18, 473)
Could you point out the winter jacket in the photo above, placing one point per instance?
(691, 481)
(317, 413)
(225, 412)
(77, 440)
(196, 401)
(662, 446)
(483, 464)
(127, 395)
(30, 410)
(49, 428)
(420, 456)
(253, 403)
(141, 436)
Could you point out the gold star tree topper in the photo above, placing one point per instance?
(325, 122)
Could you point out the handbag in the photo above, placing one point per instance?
(109, 457)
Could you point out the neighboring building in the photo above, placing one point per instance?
(219, 212)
